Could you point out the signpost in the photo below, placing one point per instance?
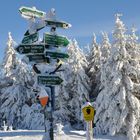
(49, 80)
(88, 114)
(25, 49)
(41, 52)
(56, 55)
(55, 40)
(31, 12)
(29, 39)
(55, 23)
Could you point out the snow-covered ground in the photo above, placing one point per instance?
(38, 135)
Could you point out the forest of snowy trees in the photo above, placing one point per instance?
(108, 76)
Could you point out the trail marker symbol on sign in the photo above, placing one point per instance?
(43, 100)
(88, 113)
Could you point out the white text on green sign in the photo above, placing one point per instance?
(56, 55)
(55, 23)
(55, 40)
(31, 12)
(30, 38)
(25, 49)
(49, 80)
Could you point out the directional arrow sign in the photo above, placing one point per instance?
(54, 23)
(30, 38)
(49, 80)
(56, 55)
(31, 12)
(25, 49)
(38, 58)
(55, 40)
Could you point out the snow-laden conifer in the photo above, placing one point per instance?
(16, 91)
(74, 90)
(117, 105)
(93, 70)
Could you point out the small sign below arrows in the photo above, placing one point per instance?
(25, 49)
(49, 80)
(55, 40)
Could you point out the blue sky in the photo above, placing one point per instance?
(86, 17)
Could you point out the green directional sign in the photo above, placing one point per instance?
(30, 38)
(31, 12)
(55, 40)
(55, 23)
(49, 80)
(25, 49)
(56, 55)
(38, 58)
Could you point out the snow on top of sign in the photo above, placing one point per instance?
(86, 104)
(43, 93)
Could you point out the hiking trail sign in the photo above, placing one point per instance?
(49, 80)
(31, 12)
(55, 40)
(55, 23)
(34, 48)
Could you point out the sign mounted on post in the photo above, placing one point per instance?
(28, 39)
(49, 80)
(55, 40)
(38, 58)
(44, 52)
(88, 113)
(56, 55)
(54, 23)
(25, 49)
(31, 12)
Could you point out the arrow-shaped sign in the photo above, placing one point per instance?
(38, 58)
(56, 55)
(54, 23)
(55, 40)
(25, 49)
(51, 23)
(31, 12)
(49, 80)
(30, 38)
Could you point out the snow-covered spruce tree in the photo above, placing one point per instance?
(74, 89)
(10, 57)
(17, 98)
(93, 70)
(117, 106)
(105, 54)
(105, 48)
